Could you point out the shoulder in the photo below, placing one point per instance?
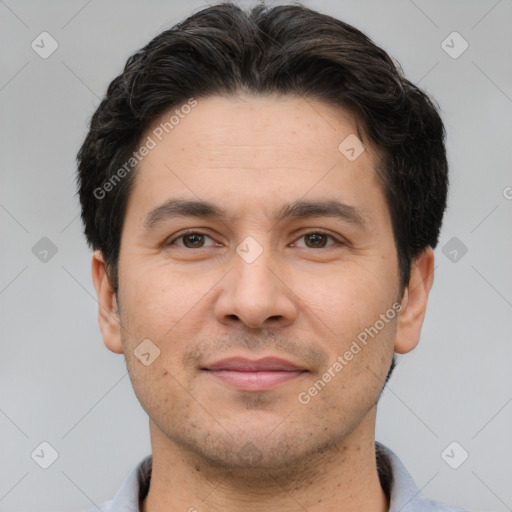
(132, 491)
(403, 493)
(424, 504)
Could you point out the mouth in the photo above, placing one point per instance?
(254, 375)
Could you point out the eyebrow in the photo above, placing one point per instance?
(297, 210)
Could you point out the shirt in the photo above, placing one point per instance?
(397, 483)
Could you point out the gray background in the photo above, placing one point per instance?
(60, 384)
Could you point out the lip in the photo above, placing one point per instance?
(254, 375)
(243, 364)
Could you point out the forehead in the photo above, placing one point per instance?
(252, 152)
(256, 124)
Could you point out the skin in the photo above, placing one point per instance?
(199, 301)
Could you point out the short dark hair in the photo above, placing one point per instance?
(289, 49)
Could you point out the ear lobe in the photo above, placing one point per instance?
(414, 302)
(108, 313)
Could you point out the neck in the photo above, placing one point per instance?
(342, 477)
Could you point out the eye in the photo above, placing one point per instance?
(317, 239)
(191, 240)
(196, 240)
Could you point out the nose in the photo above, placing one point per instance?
(256, 295)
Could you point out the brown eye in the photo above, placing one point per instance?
(191, 240)
(316, 239)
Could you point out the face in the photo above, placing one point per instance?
(256, 307)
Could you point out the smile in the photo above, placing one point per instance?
(260, 375)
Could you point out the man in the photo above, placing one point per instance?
(263, 191)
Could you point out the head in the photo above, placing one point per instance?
(326, 177)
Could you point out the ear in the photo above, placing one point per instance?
(414, 302)
(108, 314)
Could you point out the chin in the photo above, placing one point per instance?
(257, 448)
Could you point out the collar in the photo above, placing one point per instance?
(397, 483)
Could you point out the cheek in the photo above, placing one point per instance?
(160, 391)
(158, 311)
(346, 307)
(167, 308)
(158, 297)
(347, 299)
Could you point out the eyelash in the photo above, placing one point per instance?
(315, 232)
